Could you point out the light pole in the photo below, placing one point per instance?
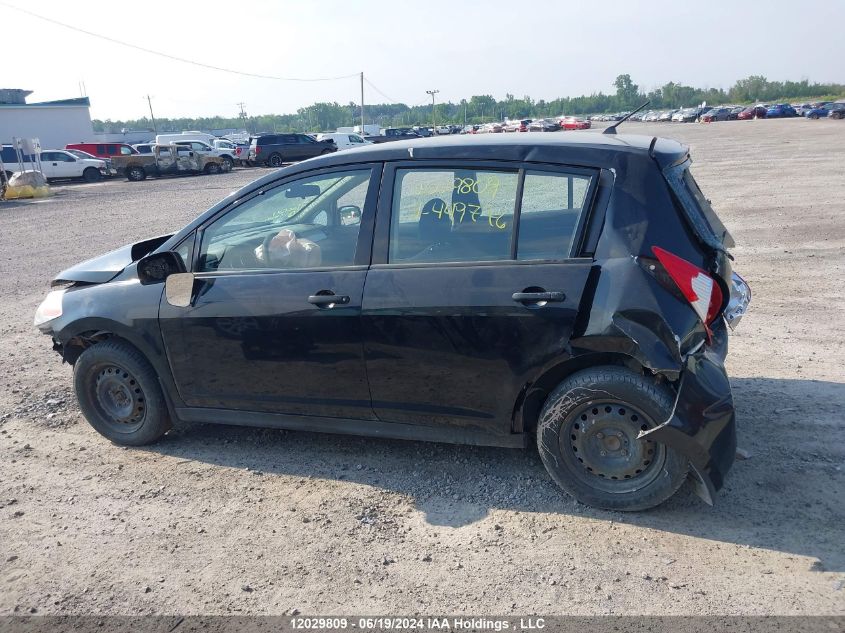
(433, 113)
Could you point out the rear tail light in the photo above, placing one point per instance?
(257, 150)
(699, 289)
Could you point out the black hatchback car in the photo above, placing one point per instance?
(483, 290)
(274, 150)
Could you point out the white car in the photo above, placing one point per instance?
(344, 140)
(442, 129)
(57, 164)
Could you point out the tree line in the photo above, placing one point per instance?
(485, 108)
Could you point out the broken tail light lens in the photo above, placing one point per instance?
(698, 288)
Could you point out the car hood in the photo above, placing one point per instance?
(106, 267)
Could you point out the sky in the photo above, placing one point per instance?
(544, 49)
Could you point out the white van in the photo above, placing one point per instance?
(344, 140)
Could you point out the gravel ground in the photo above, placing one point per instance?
(219, 520)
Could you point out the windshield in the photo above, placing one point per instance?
(697, 208)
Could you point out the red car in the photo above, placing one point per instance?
(104, 150)
(574, 123)
(752, 112)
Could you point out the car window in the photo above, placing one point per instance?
(125, 151)
(287, 139)
(552, 203)
(304, 138)
(295, 225)
(101, 149)
(63, 157)
(47, 156)
(452, 215)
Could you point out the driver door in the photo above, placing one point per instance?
(275, 321)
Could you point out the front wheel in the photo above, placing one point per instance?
(136, 174)
(91, 174)
(119, 394)
(212, 168)
(228, 163)
(587, 438)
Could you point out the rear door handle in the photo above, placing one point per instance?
(327, 299)
(538, 296)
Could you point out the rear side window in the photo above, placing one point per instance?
(466, 215)
(125, 151)
(101, 149)
(267, 140)
(552, 204)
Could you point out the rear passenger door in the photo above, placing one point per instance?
(474, 288)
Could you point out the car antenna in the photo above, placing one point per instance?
(612, 128)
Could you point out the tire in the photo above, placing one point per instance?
(325, 151)
(813, 115)
(586, 436)
(228, 163)
(91, 174)
(275, 160)
(212, 168)
(119, 394)
(136, 173)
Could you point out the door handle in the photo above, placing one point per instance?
(531, 297)
(327, 299)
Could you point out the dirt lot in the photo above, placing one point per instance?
(232, 520)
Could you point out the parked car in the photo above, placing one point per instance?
(716, 114)
(516, 125)
(442, 129)
(733, 115)
(276, 149)
(574, 123)
(666, 115)
(423, 131)
(753, 112)
(605, 344)
(201, 147)
(344, 141)
(491, 128)
(837, 110)
(85, 155)
(818, 111)
(686, 115)
(103, 150)
(55, 164)
(168, 160)
(393, 134)
(544, 125)
(780, 111)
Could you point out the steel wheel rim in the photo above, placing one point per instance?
(599, 444)
(119, 398)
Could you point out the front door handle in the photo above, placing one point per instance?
(532, 297)
(327, 298)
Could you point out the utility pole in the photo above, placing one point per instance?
(242, 115)
(362, 102)
(433, 113)
(152, 116)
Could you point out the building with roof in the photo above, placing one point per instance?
(54, 123)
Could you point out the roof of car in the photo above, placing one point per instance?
(585, 148)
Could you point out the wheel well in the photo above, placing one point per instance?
(530, 403)
(82, 341)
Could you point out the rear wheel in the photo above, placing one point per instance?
(91, 174)
(275, 160)
(588, 440)
(813, 115)
(325, 151)
(119, 394)
(136, 173)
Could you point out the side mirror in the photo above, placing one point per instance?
(155, 268)
(349, 215)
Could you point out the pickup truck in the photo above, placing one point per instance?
(168, 160)
(393, 134)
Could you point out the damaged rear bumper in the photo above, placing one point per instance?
(702, 426)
